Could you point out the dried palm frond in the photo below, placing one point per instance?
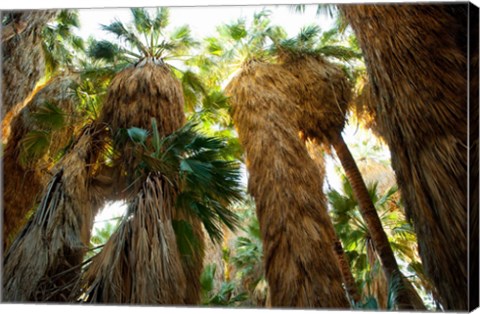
(39, 134)
(141, 92)
(474, 150)
(141, 263)
(300, 264)
(325, 94)
(416, 58)
(44, 260)
(20, 70)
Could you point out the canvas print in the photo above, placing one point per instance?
(265, 156)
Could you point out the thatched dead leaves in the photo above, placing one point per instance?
(407, 50)
(45, 259)
(300, 265)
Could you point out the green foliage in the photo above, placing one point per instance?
(33, 146)
(49, 116)
(187, 241)
(208, 183)
(145, 37)
(354, 235)
(60, 44)
(225, 296)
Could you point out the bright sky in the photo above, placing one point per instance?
(203, 20)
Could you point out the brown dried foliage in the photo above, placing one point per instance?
(474, 162)
(134, 96)
(300, 264)
(417, 65)
(21, 71)
(325, 93)
(24, 182)
(139, 93)
(141, 264)
(44, 261)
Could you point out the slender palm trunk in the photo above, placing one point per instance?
(347, 275)
(370, 216)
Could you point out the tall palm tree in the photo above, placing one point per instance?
(35, 137)
(326, 94)
(45, 259)
(151, 258)
(21, 71)
(296, 229)
(422, 114)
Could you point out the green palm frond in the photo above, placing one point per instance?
(208, 183)
(142, 21)
(33, 145)
(122, 32)
(49, 116)
(339, 52)
(60, 44)
(162, 19)
(308, 34)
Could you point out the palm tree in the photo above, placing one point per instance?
(141, 91)
(428, 143)
(326, 94)
(295, 227)
(296, 230)
(37, 135)
(22, 71)
(187, 183)
(45, 258)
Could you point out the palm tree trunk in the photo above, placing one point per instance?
(421, 112)
(347, 275)
(21, 71)
(301, 267)
(27, 179)
(370, 216)
(44, 261)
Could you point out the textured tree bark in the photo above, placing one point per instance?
(370, 216)
(23, 59)
(347, 275)
(301, 266)
(416, 57)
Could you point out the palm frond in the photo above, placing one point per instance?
(161, 20)
(34, 145)
(141, 20)
(339, 52)
(49, 116)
